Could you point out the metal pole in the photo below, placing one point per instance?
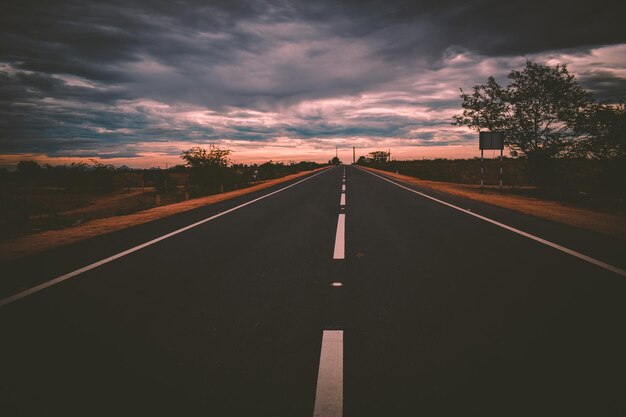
(354, 154)
(501, 151)
(482, 171)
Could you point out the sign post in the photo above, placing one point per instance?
(482, 170)
(490, 140)
(501, 151)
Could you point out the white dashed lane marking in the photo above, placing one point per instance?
(329, 392)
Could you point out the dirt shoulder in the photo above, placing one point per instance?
(38, 242)
(607, 223)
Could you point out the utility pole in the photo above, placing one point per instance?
(354, 154)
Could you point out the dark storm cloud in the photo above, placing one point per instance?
(492, 27)
(108, 73)
(607, 86)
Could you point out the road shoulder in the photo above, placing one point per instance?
(609, 224)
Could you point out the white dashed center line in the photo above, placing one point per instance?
(329, 392)
(339, 252)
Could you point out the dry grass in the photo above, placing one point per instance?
(64, 207)
(38, 242)
(607, 223)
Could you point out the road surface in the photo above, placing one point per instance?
(337, 294)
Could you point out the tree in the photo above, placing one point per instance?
(102, 176)
(604, 129)
(537, 111)
(208, 167)
(334, 161)
(485, 108)
(214, 157)
(378, 156)
(28, 169)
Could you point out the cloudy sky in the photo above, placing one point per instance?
(132, 82)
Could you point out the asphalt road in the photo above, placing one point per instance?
(441, 312)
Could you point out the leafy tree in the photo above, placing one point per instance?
(214, 157)
(334, 161)
(102, 176)
(378, 156)
(604, 128)
(485, 108)
(537, 111)
(28, 169)
(209, 167)
(545, 104)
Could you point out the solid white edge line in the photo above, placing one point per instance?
(72, 274)
(339, 252)
(571, 252)
(342, 201)
(329, 391)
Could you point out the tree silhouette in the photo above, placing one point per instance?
(538, 110)
(208, 167)
(28, 169)
(378, 156)
(604, 126)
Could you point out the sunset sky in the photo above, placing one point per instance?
(135, 83)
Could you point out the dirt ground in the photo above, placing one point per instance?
(607, 223)
(38, 242)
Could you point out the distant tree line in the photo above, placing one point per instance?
(93, 176)
(212, 171)
(205, 171)
(82, 177)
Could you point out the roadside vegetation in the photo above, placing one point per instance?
(43, 197)
(577, 181)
